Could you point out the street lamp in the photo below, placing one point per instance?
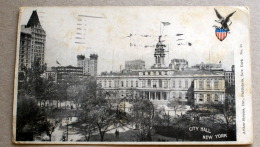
(67, 122)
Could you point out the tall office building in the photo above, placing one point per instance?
(32, 42)
(89, 65)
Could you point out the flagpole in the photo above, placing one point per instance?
(209, 55)
(160, 28)
(168, 53)
(113, 60)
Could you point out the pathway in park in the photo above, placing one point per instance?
(57, 134)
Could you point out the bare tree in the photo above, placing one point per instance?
(175, 104)
(97, 110)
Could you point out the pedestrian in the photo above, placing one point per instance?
(117, 134)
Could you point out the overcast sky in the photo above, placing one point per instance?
(118, 34)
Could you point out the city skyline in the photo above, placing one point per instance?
(122, 39)
(150, 78)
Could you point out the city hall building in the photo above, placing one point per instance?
(200, 84)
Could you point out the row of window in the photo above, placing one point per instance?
(25, 43)
(156, 95)
(180, 95)
(208, 84)
(149, 83)
(64, 73)
(209, 97)
(37, 30)
(186, 85)
(38, 36)
(155, 73)
(122, 84)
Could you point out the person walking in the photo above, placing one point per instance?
(117, 133)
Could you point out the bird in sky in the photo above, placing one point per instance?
(224, 20)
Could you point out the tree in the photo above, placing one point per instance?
(30, 79)
(87, 128)
(181, 123)
(97, 112)
(175, 104)
(228, 111)
(30, 120)
(103, 119)
(142, 115)
(51, 129)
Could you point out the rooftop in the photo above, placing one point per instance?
(34, 20)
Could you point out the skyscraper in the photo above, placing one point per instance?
(89, 64)
(32, 42)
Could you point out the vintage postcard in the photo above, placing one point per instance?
(133, 75)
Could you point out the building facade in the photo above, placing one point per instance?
(230, 76)
(160, 84)
(209, 88)
(50, 75)
(32, 42)
(89, 65)
(179, 64)
(64, 72)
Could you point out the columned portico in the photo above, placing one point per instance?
(156, 95)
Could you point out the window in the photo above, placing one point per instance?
(132, 83)
(117, 83)
(136, 83)
(109, 83)
(180, 95)
(208, 84)
(154, 84)
(186, 84)
(158, 95)
(200, 84)
(216, 98)
(122, 83)
(143, 83)
(164, 96)
(216, 84)
(179, 83)
(149, 83)
(186, 96)
(126, 83)
(153, 95)
(160, 83)
(165, 84)
(201, 97)
(173, 84)
(105, 83)
(208, 97)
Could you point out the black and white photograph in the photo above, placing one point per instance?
(132, 75)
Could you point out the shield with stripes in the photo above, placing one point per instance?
(221, 33)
